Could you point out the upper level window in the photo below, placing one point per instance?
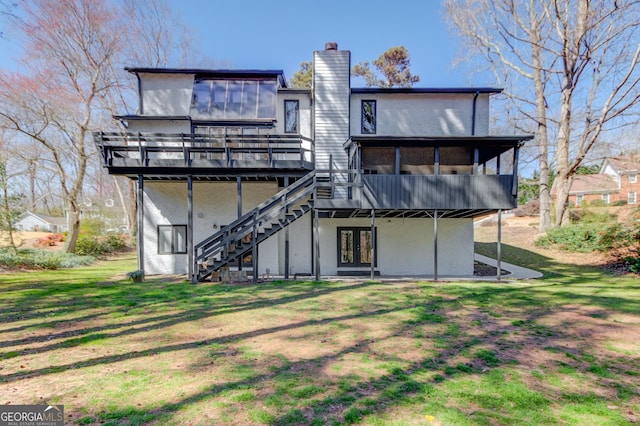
(368, 117)
(631, 198)
(220, 99)
(291, 115)
(633, 178)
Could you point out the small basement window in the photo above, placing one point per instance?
(172, 239)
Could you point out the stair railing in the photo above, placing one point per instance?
(269, 210)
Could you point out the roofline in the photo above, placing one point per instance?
(203, 72)
(515, 138)
(409, 90)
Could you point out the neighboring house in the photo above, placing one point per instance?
(616, 182)
(235, 169)
(38, 222)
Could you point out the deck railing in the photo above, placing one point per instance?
(196, 150)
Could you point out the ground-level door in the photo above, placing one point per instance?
(355, 246)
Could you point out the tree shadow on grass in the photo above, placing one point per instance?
(146, 324)
(490, 326)
(508, 326)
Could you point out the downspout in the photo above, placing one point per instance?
(140, 102)
(473, 113)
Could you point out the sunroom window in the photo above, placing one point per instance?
(220, 99)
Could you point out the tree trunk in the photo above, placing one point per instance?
(73, 228)
(541, 131)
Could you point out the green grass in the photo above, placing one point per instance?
(561, 350)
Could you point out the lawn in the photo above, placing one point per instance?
(561, 350)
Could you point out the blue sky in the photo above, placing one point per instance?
(282, 34)
(261, 34)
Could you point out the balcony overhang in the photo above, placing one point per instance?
(177, 155)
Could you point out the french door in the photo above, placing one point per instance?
(355, 246)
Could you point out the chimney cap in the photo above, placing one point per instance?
(331, 45)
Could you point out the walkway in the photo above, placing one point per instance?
(515, 272)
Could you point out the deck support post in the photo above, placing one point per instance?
(316, 244)
(140, 222)
(190, 257)
(499, 246)
(239, 209)
(373, 243)
(286, 237)
(435, 244)
(254, 249)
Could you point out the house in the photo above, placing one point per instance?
(38, 222)
(236, 170)
(617, 182)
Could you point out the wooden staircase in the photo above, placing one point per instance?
(242, 236)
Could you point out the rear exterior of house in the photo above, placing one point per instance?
(236, 170)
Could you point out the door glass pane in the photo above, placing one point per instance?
(346, 246)
(365, 247)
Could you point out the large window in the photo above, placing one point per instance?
(355, 246)
(172, 239)
(291, 114)
(631, 198)
(219, 99)
(368, 117)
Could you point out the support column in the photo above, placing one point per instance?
(254, 249)
(373, 244)
(499, 246)
(239, 209)
(190, 257)
(140, 222)
(316, 243)
(286, 237)
(435, 245)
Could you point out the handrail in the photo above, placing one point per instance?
(264, 211)
(267, 212)
(144, 146)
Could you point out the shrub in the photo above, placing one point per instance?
(619, 203)
(88, 245)
(585, 215)
(597, 203)
(532, 208)
(588, 237)
(633, 262)
(42, 259)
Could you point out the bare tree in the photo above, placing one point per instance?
(72, 80)
(571, 67)
(70, 45)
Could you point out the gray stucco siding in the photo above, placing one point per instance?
(166, 94)
(405, 246)
(423, 114)
(214, 205)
